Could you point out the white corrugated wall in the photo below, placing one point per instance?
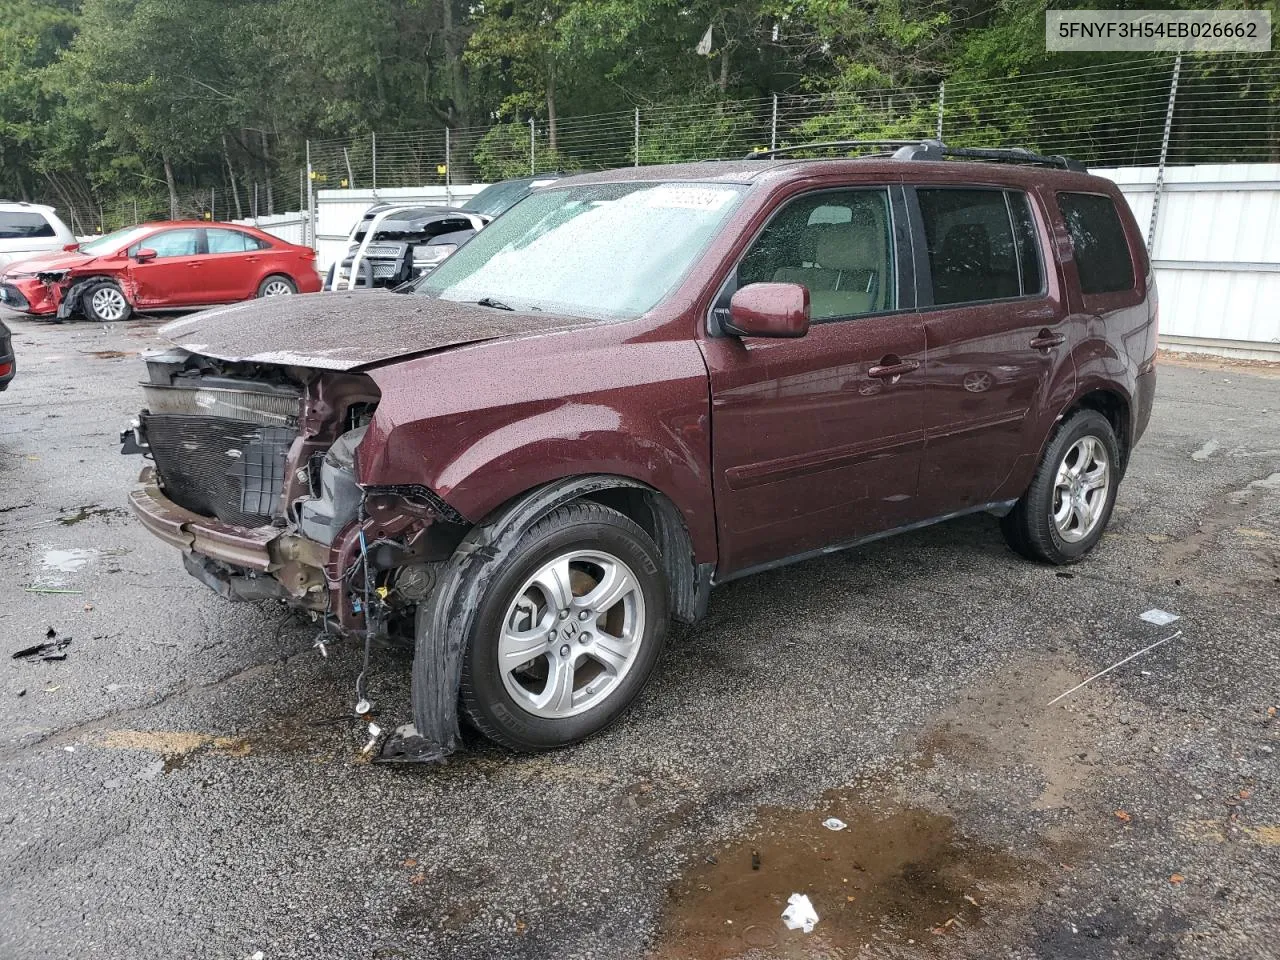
(1216, 254)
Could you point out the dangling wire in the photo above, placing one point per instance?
(363, 705)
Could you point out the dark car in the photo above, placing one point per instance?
(410, 240)
(641, 383)
(499, 197)
(392, 244)
(8, 363)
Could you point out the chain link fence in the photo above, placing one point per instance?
(1223, 110)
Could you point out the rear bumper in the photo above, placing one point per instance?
(1144, 399)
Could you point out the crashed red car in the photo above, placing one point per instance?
(174, 264)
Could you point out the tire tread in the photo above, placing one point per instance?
(577, 512)
(1026, 529)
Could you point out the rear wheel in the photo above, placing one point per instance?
(277, 285)
(105, 302)
(567, 632)
(1064, 512)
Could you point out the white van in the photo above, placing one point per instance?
(27, 229)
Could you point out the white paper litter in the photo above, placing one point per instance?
(799, 914)
(1161, 618)
(834, 823)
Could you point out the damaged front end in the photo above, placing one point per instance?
(254, 479)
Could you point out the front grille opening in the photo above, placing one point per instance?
(221, 467)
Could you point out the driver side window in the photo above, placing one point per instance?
(838, 244)
(170, 243)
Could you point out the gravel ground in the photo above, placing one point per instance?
(186, 782)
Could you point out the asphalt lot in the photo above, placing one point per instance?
(186, 784)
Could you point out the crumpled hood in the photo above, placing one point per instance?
(54, 260)
(345, 331)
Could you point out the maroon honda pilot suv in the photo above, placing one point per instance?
(638, 384)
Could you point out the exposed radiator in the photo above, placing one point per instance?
(232, 469)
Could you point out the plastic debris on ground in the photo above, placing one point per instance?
(799, 914)
(53, 648)
(375, 732)
(1161, 618)
(834, 823)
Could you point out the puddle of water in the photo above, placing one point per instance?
(69, 561)
(174, 747)
(902, 875)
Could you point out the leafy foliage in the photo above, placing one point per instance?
(132, 108)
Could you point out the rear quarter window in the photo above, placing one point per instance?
(1098, 241)
(23, 225)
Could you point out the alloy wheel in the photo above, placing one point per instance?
(277, 288)
(1081, 487)
(109, 303)
(571, 634)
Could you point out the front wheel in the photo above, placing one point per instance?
(105, 302)
(567, 632)
(1064, 512)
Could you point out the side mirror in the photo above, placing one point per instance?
(769, 310)
(144, 255)
(70, 247)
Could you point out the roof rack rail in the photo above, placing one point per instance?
(763, 154)
(937, 150)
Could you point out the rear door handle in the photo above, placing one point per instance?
(1045, 340)
(892, 367)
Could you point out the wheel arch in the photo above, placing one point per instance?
(72, 301)
(652, 510)
(1113, 404)
(445, 618)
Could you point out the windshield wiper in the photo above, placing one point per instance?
(490, 302)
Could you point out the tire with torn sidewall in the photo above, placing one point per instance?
(77, 300)
(444, 621)
(583, 525)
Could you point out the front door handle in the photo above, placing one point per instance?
(891, 367)
(1044, 340)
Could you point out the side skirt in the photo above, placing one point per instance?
(998, 508)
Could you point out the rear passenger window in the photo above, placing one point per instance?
(981, 245)
(20, 225)
(231, 241)
(839, 244)
(1098, 242)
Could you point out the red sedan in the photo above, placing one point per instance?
(176, 264)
